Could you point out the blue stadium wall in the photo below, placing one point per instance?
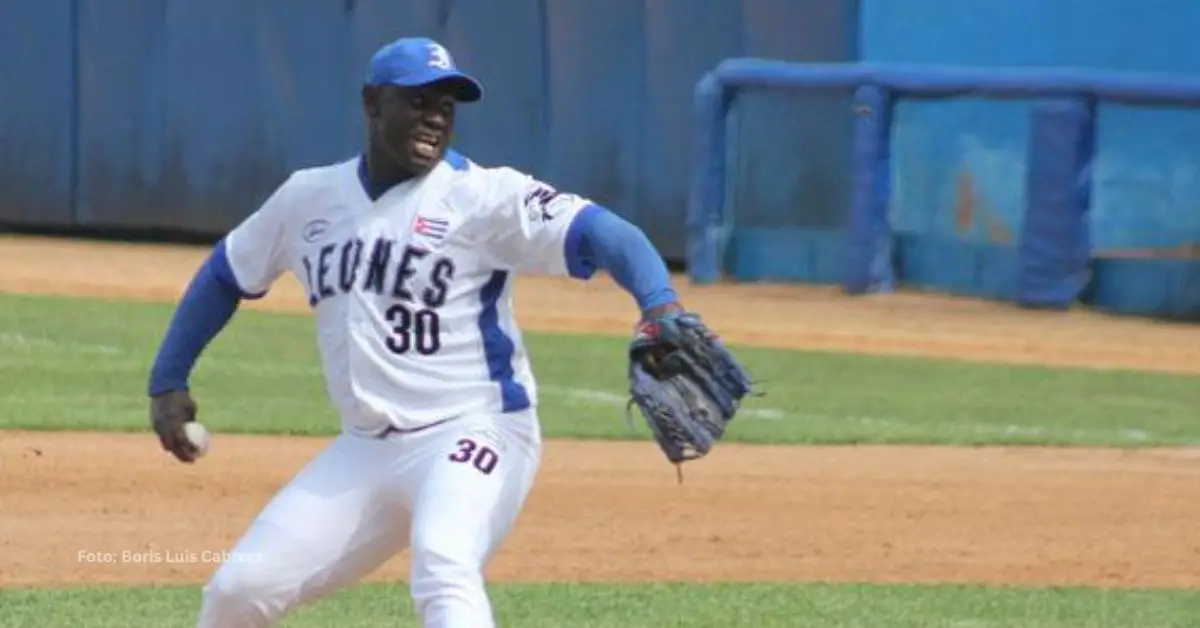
(959, 166)
(184, 114)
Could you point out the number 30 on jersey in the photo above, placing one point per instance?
(414, 330)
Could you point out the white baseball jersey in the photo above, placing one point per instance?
(412, 291)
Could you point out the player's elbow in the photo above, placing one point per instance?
(618, 241)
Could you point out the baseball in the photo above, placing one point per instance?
(198, 435)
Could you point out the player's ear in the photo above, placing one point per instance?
(370, 100)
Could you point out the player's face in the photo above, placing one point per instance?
(414, 124)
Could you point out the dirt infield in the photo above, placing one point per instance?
(612, 511)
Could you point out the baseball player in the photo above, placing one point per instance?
(407, 253)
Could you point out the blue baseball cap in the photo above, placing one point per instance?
(416, 61)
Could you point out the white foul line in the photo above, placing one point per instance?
(776, 414)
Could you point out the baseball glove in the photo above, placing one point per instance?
(686, 383)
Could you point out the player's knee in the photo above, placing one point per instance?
(241, 595)
(447, 581)
(437, 568)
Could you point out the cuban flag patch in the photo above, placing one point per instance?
(433, 228)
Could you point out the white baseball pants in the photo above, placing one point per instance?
(450, 493)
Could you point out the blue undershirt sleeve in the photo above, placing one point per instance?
(600, 239)
(206, 307)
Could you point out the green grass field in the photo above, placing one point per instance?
(264, 371)
(81, 364)
(701, 606)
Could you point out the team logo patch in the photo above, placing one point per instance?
(314, 229)
(540, 202)
(433, 228)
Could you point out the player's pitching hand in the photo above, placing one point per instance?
(169, 412)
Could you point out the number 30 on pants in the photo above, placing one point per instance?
(482, 458)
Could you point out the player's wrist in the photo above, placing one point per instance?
(658, 311)
(162, 385)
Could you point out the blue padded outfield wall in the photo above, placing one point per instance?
(184, 114)
(1048, 264)
(982, 184)
(960, 166)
